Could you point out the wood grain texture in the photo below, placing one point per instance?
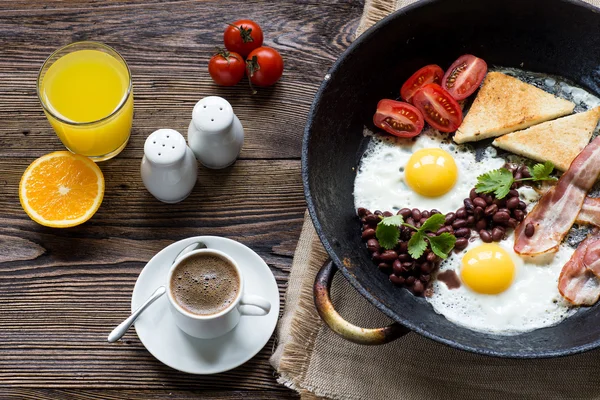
(62, 291)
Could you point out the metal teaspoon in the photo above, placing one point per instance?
(124, 326)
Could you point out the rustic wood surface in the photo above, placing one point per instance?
(62, 291)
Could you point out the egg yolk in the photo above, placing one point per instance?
(431, 172)
(487, 269)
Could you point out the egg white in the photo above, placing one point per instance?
(531, 302)
(380, 182)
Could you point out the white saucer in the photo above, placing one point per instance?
(165, 341)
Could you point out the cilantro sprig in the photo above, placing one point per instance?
(499, 181)
(387, 234)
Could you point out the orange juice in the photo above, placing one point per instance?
(87, 97)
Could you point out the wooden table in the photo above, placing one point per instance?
(62, 291)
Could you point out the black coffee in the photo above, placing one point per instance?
(205, 284)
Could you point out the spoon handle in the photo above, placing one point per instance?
(124, 326)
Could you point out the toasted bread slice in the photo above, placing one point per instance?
(559, 141)
(505, 104)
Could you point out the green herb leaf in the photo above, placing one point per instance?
(387, 231)
(442, 245)
(417, 245)
(541, 172)
(497, 181)
(433, 223)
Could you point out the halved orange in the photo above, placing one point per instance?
(61, 189)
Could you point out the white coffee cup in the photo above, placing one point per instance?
(214, 325)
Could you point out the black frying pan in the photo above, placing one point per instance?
(551, 36)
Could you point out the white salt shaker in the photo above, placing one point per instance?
(169, 169)
(215, 134)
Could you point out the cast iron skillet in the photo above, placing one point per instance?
(559, 37)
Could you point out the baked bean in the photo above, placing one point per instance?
(485, 236)
(416, 214)
(461, 243)
(389, 255)
(450, 217)
(368, 234)
(490, 210)
(512, 223)
(522, 205)
(397, 266)
(372, 219)
(479, 202)
(472, 194)
(481, 224)
(405, 212)
(497, 234)
(529, 229)
(519, 215)
(468, 205)
(459, 223)
(501, 217)
(512, 203)
(387, 214)
(418, 287)
(463, 232)
(461, 213)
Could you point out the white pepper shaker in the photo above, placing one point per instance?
(169, 169)
(215, 134)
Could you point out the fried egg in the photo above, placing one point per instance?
(428, 172)
(502, 292)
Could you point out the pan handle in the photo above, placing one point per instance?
(338, 324)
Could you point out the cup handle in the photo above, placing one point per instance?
(254, 305)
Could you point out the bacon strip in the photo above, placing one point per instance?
(558, 208)
(590, 212)
(576, 282)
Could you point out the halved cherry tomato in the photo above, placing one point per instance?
(438, 107)
(398, 118)
(428, 74)
(464, 76)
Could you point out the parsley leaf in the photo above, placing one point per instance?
(541, 172)
(442, 244)
(417, 245)
(387, 232)
(433, 223)
(497, 181)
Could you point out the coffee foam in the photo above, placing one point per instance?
(205, 284)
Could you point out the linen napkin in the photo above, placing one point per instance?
(317, 363)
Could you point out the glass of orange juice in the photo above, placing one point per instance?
(86, 91)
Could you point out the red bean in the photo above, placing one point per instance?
(450, 217)
(423, 219)
(425, 214)
(418, 287)
(490, 210)
(463, 232)
(461, 213)
(519, 215)
(368, 234)
(525, 172)
(479, 202)
(501, 217)
(397, 280)
(410, 280)
(471, 220)
(512, 203)
(405, 212)
(489, 199)
(372, 219)
(481, 224)
(518, 175)
(373, 245)
(461, 243)
(427, 267)
(431, 257)
(497, 234)
(529, 229)
(389, 255)
(478, 212)
(472, 194)
(425, 278)
(522, 205)
(387, 214)
(468, 205)
(376, 256)
(384, 266)
(434, 211)
(410, 221)
(459, 223)
(362, 211)
(416, 214)
(485, 236)
(397, 266)
(499, 202)
(404, 257)
(402, 247)
(513, 193)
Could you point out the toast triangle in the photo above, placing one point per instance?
(505, 104)
(558, 141)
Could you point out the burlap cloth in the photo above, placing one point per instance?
(316, 362)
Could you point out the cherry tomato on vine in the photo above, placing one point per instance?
(243, 36)
(264, 66)
(226, 68)
(398, 118)
(428, 74)
(438, 107)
